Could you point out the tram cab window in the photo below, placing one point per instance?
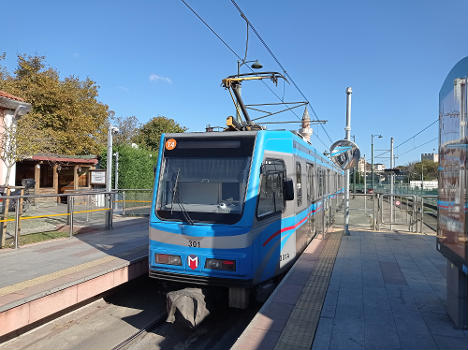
(298, 184)
(271, 198)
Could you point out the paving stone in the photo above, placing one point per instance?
(409, 339)
(380, 337)
(376, 296)
(323, 334)
(391, 273)
(451, 343)
(376, 316)
(441, 324)
(411, 322)
(347, 334)
(329, 306)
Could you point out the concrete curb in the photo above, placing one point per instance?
(25, 311)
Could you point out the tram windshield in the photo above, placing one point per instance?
(203, 186)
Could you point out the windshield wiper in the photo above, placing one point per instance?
(185, 214)
(174, 190)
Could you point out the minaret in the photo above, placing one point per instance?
(306, 130)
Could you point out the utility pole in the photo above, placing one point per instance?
(109, 160)
(422, 178)
(116, 174)
(391, 181)
(349, 91)
(354, 172)
(365, 187)
(372, 158)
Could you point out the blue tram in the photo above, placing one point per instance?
(236, 209)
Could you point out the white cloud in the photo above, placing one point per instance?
(155, 77)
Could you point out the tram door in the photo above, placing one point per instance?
(311, 200)
(319, 201)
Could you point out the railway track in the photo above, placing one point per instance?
(218, 331)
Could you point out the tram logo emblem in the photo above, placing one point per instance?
(192, 261)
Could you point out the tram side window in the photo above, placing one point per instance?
(270, 198)
(319, 182)
(298, 184)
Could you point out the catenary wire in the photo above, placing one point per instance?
(240, 58)
(410, 138)
(414, 148)
(279, 64)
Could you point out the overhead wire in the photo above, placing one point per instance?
(410, 138)
(414, 148)
(240, 59)
(279, 64)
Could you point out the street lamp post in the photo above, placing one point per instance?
(111, 131)
(372, 157)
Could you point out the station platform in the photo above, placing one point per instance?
(369, 290)
(39, 280)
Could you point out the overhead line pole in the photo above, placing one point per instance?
(391, 181)
(349, 91)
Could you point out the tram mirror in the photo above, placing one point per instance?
(345, 154)
(288, 189)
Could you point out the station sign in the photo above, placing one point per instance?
(98, 177)
(345, 154)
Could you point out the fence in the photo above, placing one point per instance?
(31, 218)
(383, 211)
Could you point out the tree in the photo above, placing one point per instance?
(21, 139)
(150, 133)
(128, 129)
(428, 168)
(65, 110)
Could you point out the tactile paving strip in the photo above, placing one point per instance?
(300, 329)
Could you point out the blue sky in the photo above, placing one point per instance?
(155, 58)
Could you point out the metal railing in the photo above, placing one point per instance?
(385, 211)
(38, 217)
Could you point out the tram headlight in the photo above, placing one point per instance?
(168, 259)
(220, 264)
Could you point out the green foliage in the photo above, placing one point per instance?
(427, 168)
(136, 166)
(64, 110)
(150, 133)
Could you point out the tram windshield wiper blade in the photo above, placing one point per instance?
(185, 213)
(174, 190)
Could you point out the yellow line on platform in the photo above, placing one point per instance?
(59, 214)
(132, 201)
(54, 275)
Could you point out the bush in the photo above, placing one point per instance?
(136, 166)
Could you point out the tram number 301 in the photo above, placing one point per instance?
(194, 244)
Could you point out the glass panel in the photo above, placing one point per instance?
(298, 184)
(271, 197)
(204, 185)
(452, 204)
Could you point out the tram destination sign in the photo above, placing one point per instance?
(345, 154)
